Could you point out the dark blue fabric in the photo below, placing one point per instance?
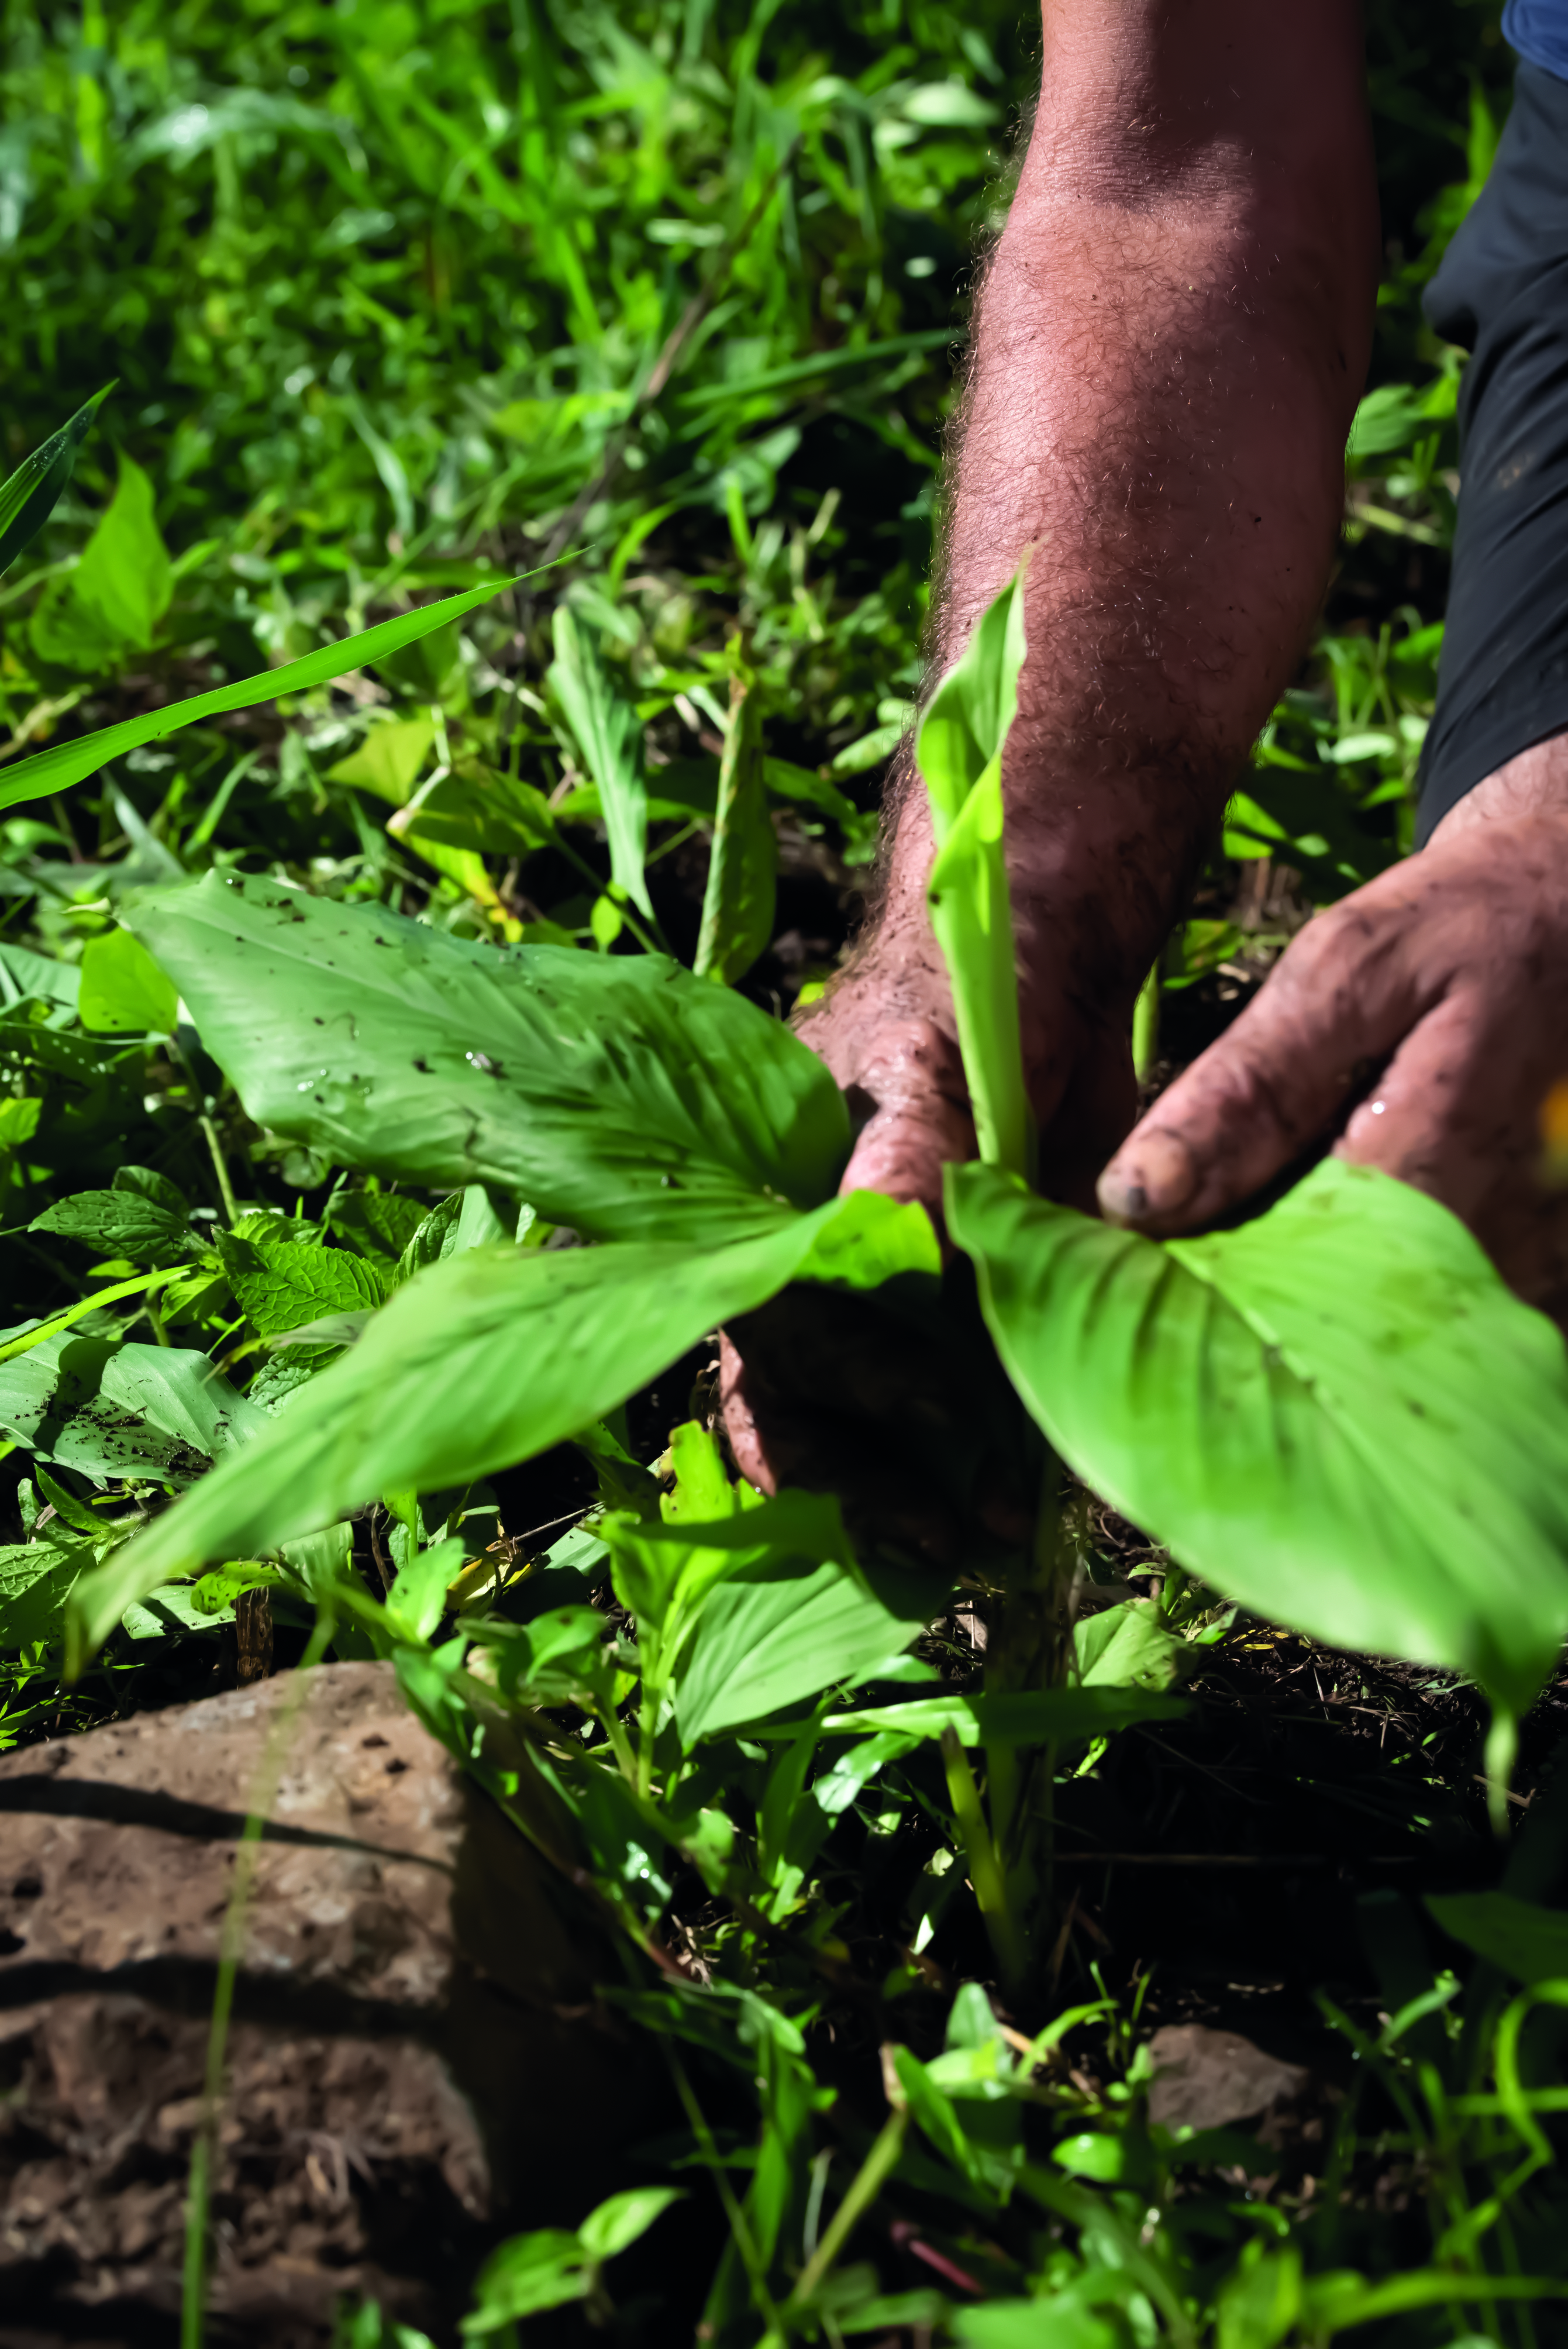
(1502, 292)
(1538, 29)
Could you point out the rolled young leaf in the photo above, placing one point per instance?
(1337, 1414)
(481, 1361)
(63, 763)
(959, 752)
(619, 1095)
(738, 900)
(609, 736)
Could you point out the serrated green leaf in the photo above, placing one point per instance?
(120, 1223)
(36, 1579)
(283, 1285)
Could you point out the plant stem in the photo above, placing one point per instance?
(985, 1871)
(732, 2209)
(1146, 1025)
(220, 1164)
(863, 2189)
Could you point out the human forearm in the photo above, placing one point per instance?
(1169, 345)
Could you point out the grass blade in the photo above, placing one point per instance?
(30, 496)
(52, 770)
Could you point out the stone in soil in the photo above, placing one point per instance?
(417, 2065)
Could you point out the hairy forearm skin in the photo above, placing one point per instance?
(1169, 343)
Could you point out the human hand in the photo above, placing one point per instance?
(1449, 976)
(819, 1390)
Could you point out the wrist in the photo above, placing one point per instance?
(1535, 783)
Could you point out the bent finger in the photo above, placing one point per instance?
(1343, 995)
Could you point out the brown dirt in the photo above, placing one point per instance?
(417, 2068)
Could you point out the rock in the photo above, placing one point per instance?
(417, 2064)
(1208, 2079)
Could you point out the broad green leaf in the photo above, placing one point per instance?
(662, 1573)
(609, 736)
(158, 1412)
(616, 2224)
(123, 992)
(702, 1490)
(282, 1283)
(1529, 1942)
(120, 1223)
(617, 1094)
(1337, 1414)
(36, 1579)
(541, 2270)
(389, 759)
(63, 763)
(966, 720)
(1015, 1717)
(1128, 1647)
(738, 900)
(779, 1631)
(31, 494)
(667, 1575)
(959, 752)
(418, 1598)
(479, 1363)
(114, 599)
(20, 1115)
(28, 974)
(477, 809)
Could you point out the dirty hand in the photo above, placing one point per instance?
(818, 1390)
(1447, 981)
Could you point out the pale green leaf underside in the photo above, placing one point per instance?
(1337, 1414)
(481, 1361)
(617, 1094)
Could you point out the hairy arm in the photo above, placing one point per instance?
(1169, 346)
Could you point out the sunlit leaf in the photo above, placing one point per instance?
(32, 493)
(737, 902)
(482, 1361)
(959, 752)
(618, 1095)
(1337, 1414)
(67, 763)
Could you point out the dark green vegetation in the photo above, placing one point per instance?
(401, 303)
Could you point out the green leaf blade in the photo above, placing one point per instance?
(479, 1363)
(63, 763)
(1337, 1414)
(617, 1094)
(738, 900)
(31, 494)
